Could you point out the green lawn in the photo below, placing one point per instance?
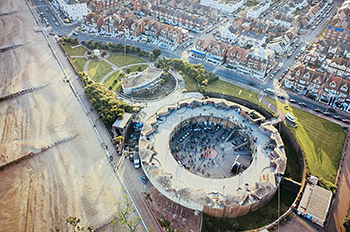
(115, 85)
(135, 67)
(190, 83)
(229, 89)
(78, 51)
(79, 63)
(98, 69)
(118, 59)
(321, 141)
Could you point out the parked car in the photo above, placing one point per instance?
(346, 121)
(131, 157)
(281, 96)
(327, 113)
(337, 117)
(302, 104)
(331, 110)
(317, 110)
(292, 101)
(144, 179)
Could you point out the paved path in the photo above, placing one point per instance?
(116, 68)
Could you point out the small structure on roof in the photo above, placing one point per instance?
(315, 203)
(97, 52)
(140, 83)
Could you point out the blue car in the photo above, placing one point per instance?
(144, 179)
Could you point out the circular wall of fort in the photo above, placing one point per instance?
(212, 155)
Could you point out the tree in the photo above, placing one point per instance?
(124, 216)
(156, 52)
(74, 221)
(346, 222)
(139, 68)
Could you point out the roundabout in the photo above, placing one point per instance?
(212, 155)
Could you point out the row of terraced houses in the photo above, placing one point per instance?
(255, 62)
(131, 26)
(324, 72)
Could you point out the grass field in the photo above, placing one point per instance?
(253, 220)
(98, 69)
(110, 81)
(135, 67)
(79, 63)
(229, 89)
(321, 141)
(190, 83)
(118, 59)
(78, 51)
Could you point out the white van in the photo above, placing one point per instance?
(136, 160)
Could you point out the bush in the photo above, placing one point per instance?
(117, 139)
(327, 185)
(346, 222)
(89, 53)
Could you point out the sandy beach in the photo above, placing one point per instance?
(73, 178)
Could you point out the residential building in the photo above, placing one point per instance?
(230, 33)
(258, 9)
(73, 9)
(251, 38)
(225, 8)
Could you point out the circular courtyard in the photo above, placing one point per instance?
(211, 147)
(212, 155)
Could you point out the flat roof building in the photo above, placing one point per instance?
(315, 203)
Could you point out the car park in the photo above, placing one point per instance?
(144, 179)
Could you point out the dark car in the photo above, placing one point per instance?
(131, 158)
(251, 83)
(144, 179)
(327, 113)
(292, 101)
(317, 110)
(302, 104)
(281, 96)
(331, 110)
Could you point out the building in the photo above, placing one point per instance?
(257, 10)
(142, 83)
(260, 61)
(230, 33)
(225, 8)
(73, 9)
(315, 202)
(251, 38)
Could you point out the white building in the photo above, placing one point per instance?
(73, 9)
(225, 8)
(230, 33)
(257, 10)
(279, 44)
(250, 37)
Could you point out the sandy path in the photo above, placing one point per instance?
(70, 179)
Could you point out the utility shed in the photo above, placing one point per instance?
(121, 123)
(315, 203)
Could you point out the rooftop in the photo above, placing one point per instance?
(137, 79)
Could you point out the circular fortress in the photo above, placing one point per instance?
(212, 155)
